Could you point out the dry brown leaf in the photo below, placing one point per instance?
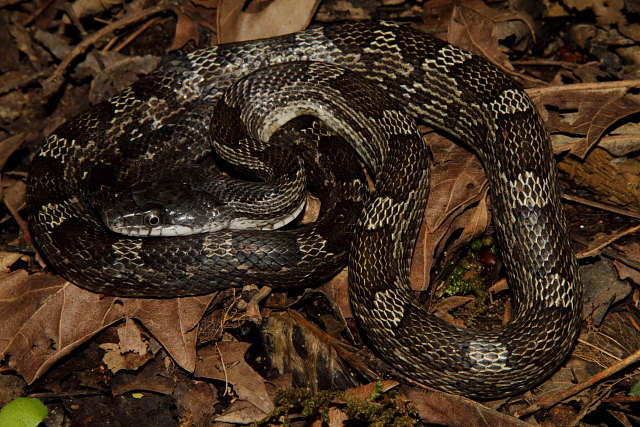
(154, 376)
(598, 348)
(470, 223)
(277, 18)
(617, 338)
(437, 15)
(191, 16)
(631, 251)
(114, 72)
(574, 370)
(173, 322)
(11, 387)
(621, 144)
(444, 307)
(240, 412)
(436, 407)
(46, 318)
(187, 30)
(196, 401)
(589, 72)
(457, 182)
(130, 353)
(84, 8)
(510, 21)
(477, 33)
(7, 259)
(353, 9)
(12, 106)
(604, 115)
(14, 192)
(587, 112)
(24, 43)
(337, 418)
(607, 12)
(337, 290)
(116, 359)
(626, 272)
(614, 181)
(602, 289)
(9, 146)
(225, 362)
(10, 58)
(131, 338)
(54, 43)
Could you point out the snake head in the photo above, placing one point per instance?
(163, 209)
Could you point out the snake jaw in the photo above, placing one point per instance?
(163, 220)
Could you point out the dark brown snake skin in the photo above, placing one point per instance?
(438, 84)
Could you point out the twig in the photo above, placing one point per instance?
(5, 3)
(598, 349)
(603, 243)
(557, 397)
(224, 371)
(537, 91)
(107, 47)
(622, 399)
(136, 33)
(610, 253)
(37, 12)
(602, 206)
(546, 63)
(53, 83)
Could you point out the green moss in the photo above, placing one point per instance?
(377, 409)
(468, 276)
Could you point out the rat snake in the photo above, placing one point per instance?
(438, 84)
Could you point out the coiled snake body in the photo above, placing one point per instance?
(438, 84)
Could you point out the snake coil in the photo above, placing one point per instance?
(163, 120)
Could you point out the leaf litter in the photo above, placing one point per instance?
(203, 360)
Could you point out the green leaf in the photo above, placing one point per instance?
(635, 390)
(23, 412)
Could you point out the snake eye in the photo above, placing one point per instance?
(152, 219)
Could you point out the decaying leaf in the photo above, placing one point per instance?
(225, 362)
(46, 318)
(457, 202)
(277, 18)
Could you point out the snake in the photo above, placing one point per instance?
(163, 120)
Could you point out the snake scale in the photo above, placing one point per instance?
(438, 84)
